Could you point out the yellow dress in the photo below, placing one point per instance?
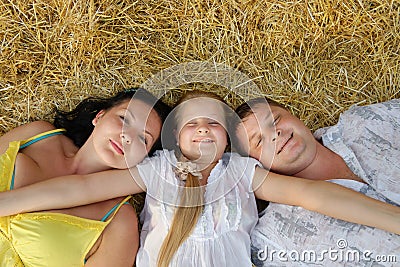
(44, 238)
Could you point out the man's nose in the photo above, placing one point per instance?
(276, 135)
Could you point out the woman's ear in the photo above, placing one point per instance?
(98, 116)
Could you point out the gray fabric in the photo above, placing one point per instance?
(368, 140)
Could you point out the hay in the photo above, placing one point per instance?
(319, 57)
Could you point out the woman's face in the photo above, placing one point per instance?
(124, 134)
(201, 131)
(278, 139)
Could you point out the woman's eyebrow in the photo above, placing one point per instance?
(127, 111)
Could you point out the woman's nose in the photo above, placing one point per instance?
(125, 138)
(276, 135)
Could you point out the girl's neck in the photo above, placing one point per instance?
(206, 173)
(205, 166)
(327, 165)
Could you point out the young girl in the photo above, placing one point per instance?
(200, 205)
(90, 139)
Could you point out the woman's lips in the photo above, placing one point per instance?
(117, 147)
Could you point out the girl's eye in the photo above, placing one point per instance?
(259, 142)
(213, 123)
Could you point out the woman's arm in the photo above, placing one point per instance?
(71, 191)
(327, 198)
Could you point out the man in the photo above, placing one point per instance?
(363, 150)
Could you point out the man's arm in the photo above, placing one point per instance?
(327, 198)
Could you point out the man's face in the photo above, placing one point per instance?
(278, 139)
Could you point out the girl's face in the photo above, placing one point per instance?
(128, 129)
(278, 139)
(202, 135)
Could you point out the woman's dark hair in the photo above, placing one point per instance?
(78, 122)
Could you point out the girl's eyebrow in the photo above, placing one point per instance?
(149, 133)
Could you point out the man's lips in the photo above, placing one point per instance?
(285, 143)
(117, 147)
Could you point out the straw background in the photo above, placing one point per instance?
(317, 56)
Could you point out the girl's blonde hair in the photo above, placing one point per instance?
(185, 217)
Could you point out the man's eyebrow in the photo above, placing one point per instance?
(259, 123)
(252, 136)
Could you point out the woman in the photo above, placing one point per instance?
(94, 140)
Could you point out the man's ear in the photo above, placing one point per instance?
(98, 116)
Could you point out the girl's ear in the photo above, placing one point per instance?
(98, 116)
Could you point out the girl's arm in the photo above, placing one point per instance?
(326, 198)
(71, 191)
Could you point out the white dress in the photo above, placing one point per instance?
(222, 234)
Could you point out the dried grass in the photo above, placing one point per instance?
(318, 57)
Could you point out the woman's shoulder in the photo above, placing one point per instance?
(28, 130)
(24, 132)
(121, 235)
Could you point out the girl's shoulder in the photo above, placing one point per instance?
(163, 155)
(238, 159)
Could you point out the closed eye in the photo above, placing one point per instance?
(276, 120)
(143, 139)
(124, 119)
(258, 141)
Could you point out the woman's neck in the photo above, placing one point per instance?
(86, 160)
(327, 165)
